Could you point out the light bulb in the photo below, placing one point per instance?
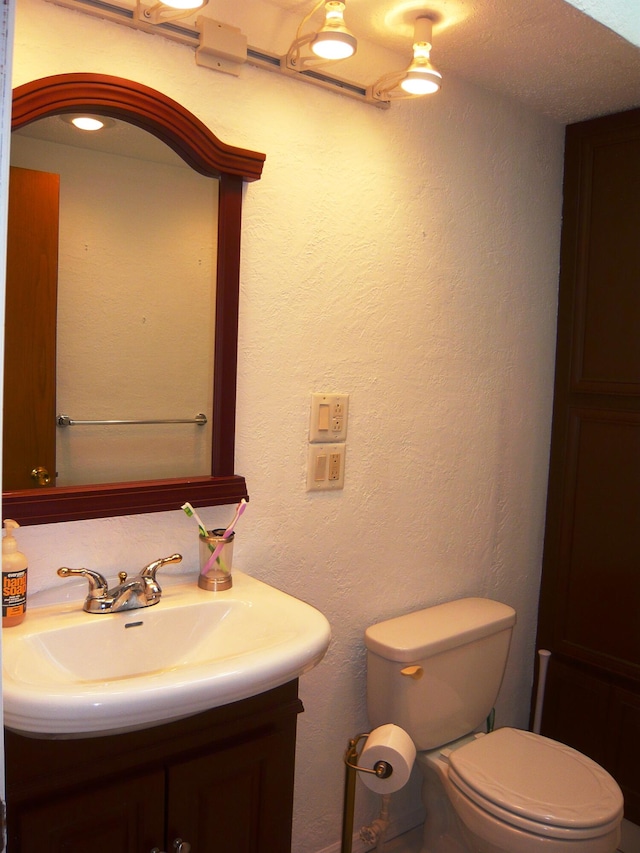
(421, 81)
(334, 41)
(336, 45)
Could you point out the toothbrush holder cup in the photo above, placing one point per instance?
(215, 575)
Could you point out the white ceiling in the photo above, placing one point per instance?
(545, 53)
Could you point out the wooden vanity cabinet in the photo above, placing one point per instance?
(221, 780)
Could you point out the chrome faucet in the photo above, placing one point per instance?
(143, 590)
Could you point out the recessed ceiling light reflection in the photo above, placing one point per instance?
(88, 123)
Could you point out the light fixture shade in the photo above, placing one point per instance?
(334, 41)
(334, 45)
(421, 79)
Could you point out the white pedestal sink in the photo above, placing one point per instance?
(67, 673)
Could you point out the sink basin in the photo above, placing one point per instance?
(67, 673)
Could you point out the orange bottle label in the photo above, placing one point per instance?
(14, 593)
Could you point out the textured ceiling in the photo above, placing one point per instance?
(545, 53)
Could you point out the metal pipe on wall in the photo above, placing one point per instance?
(543, 665)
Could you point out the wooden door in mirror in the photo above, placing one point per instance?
(203, 151)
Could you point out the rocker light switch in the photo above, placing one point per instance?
(328, 417)
(323, 417)
(321, 468)
(325, 467)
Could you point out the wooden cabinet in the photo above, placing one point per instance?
(590, 594)
(222, 780)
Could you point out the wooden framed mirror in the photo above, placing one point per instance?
(188, 137)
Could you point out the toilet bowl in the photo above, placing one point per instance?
(436, 673)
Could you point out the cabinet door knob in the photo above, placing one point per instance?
(179, 846)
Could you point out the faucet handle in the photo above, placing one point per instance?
(97, 583)
(150, 570)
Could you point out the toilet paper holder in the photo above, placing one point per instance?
(382, 769)
(389, 753)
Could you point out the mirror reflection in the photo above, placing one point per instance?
(133, 292)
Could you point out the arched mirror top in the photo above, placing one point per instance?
(149, 110)
(198, 146)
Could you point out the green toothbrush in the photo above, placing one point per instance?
(190, 511)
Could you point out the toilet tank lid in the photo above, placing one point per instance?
(433, 630)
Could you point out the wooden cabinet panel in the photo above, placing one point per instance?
(127, 817)
(221, 780)
(598, 581)
(229, 805)
(623, 746)
(606, 357)
(594, 715)
(575, 709)
(612, 302)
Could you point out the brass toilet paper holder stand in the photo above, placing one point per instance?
(381, 769)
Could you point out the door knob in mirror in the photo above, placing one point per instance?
(41, 476)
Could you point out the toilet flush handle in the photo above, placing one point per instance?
(415, 672)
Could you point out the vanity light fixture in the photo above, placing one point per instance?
(310, 58)
(420, 78)
(331, 43)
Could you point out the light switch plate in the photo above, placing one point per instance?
(325, 467)
(328, 422)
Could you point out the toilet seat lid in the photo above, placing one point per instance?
(538, 779)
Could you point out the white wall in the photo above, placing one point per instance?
(408, 258)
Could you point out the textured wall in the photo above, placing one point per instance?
(408, 258)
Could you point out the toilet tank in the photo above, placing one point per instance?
(436, 672)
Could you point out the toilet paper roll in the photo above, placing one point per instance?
(391, 744)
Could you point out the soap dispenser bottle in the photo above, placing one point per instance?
(14, 578)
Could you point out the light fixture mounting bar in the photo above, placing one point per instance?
(124, 13)
(323, 79)
(227, 58)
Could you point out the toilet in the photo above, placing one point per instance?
(436, 673)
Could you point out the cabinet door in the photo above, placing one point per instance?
(29, 436)
(590, 594)
(124, 817)
(237, 800)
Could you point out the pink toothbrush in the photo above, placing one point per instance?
(215, 555)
